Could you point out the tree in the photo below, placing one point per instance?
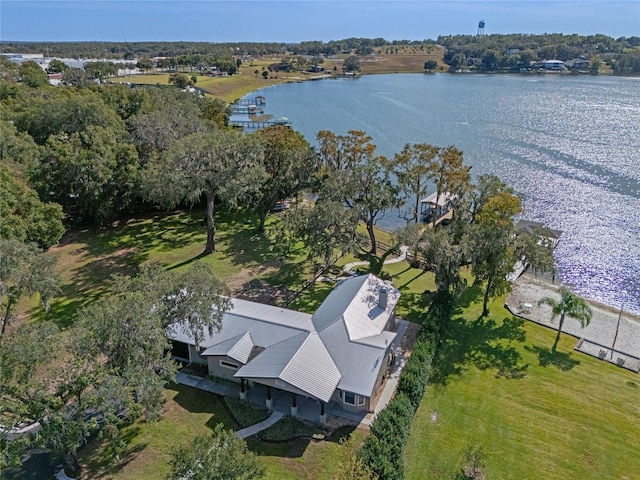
(129, 328)
(265, 74)
(222, 165)
(92, 174)
(569, 305)
(290, 165)
(412, 168)
(493, 253)
(352, 467)
(145, 64)
(24, 271)
(219, 456)
(169, 116)
(57, 66)
(32, 75)
(24, 216)
(430, 65)
(68, 390)
(355, 176)
(180, 80)
(75, 77)
(351, 64)
(100, 70)
(216, 111)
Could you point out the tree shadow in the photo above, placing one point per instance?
(547, 357)
(243, 244)
(469, 295)
(187, 262)
(483, 343)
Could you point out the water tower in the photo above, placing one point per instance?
(481, 28)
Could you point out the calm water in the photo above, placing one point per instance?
(571, 145)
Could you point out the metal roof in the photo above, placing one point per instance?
(444, 198)
(340, 346)
(359, 364)
(356, 301)
(302, 361)
(242, 349)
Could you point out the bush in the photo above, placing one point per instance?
(383, 450)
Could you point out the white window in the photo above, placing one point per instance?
(225, 364)
(361, 400)
(349, 398)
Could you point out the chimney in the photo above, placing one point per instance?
(383, 298)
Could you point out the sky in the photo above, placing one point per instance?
(299, 20)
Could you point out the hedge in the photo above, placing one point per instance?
(383, 450)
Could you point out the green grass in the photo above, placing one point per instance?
(537, 415)
(187, 413)
(246, 413)
(289, 428)
(304, 458)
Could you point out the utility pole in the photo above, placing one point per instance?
(617, 328)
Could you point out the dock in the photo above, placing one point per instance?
(257, 125)
(246, 110)
(255, 101)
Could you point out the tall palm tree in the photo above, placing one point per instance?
(570, 305)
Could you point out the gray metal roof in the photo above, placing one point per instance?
(444, 198)
(356, 302)
(341, 346)
(242, 349)
(301, 361)
(359, 364)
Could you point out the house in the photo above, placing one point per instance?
(340, 354)
(578, 64)
(429, 208)
(553, 65)
(316, 68)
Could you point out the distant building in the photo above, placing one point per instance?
(553, 65)
(26, 57)
(578, 64)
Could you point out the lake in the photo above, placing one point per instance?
(569, 144)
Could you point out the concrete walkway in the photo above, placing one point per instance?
(258, 427)
(348, 268)
(392, 382)
(206, 384)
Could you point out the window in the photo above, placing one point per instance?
(361, 400)
(229, 365)
(349, 398)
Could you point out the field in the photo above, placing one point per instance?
(405, 60)
(537, 415)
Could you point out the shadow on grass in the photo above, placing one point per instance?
(289, 449)
(483, 343)
(100, 458)
(187, 262)
(243, 243)
(547, 357)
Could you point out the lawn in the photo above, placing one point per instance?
(189, 412)
(537, 415)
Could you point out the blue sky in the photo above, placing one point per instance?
(299, 20)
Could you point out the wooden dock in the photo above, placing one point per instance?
(255, 125)
(256, 101)
(246, 109)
